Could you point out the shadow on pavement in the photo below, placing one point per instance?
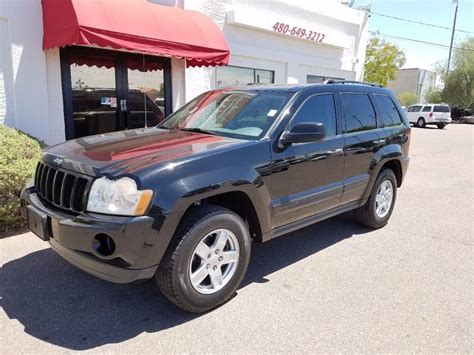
(60, 304)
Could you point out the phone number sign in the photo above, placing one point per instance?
(300, 32)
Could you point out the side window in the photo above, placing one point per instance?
(390, 115)
(359, 113)
(426, 109)
(416, 108)
(318, 108)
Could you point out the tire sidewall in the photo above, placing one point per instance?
(421, 122)
(192, 238)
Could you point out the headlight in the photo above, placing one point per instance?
(119, 197)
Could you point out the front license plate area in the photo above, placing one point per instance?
(37, 222)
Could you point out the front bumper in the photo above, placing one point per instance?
(75, 238)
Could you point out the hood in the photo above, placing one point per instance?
(125, 152)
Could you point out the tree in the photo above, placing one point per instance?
(434, 96)
(407, 98)
(382, 61)
(459, 82)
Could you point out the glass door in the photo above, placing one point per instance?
(94, 94)
(106, 91)
(145, 91)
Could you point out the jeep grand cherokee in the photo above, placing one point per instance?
(182, 201)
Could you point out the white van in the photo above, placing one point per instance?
(423, 114)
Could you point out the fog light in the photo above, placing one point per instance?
(104, 245)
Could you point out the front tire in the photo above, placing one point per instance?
(441, 125)
(378, 208)
(207, 261)
(421, 123)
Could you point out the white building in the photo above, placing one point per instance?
(57, 94)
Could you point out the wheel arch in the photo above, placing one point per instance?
(391, 160)
(237, 201)
(396, 166)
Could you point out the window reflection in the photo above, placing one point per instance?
(94, 98)
(146, 94)
(239, 76)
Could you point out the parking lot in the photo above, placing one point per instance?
(334, 286)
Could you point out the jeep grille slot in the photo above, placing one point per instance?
(63, 189)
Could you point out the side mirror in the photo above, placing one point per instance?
(302, 133)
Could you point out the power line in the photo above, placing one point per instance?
(419, 41)
(418, 22)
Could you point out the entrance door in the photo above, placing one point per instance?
(106, 91)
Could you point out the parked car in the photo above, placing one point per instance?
(95, 111)
(429, 114)
(183, 201)
(467, 119)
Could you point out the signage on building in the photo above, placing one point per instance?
(300, 32)
(315, 31)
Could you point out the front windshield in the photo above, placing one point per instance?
(239, 114)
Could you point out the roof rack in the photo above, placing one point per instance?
(335, 81)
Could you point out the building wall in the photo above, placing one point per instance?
(247, 26)
(24, 70)
(427, 81)
(418, 81)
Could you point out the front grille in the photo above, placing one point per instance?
(62, 188)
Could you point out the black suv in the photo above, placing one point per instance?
(182, 201)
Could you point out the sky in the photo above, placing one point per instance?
(438, 12)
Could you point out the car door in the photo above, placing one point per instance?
(362, 138)
(307, 177)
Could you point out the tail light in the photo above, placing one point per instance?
(431, 114)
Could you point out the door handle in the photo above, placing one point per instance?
(123, 105)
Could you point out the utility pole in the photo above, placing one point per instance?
(452, 34)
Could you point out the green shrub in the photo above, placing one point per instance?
(407, 98)
(19, 155)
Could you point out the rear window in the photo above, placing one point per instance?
(359, 113)
(390, 115)
(441, 108)
(427, 109)
(416, 108)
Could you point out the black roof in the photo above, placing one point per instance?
(343, 85)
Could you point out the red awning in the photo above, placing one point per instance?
(135, 25)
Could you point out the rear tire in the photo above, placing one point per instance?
(372, 214)
(421, 123)
(441, 125)
(196, 253)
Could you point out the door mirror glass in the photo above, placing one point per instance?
(303, 132)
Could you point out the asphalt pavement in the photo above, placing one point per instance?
(332, 287)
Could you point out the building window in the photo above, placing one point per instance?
(239, 76)
(106, 91)
(317, 79)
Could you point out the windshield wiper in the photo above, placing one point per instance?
(197, 130)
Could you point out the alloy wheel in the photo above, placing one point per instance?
(384, 198)
(214, 261)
